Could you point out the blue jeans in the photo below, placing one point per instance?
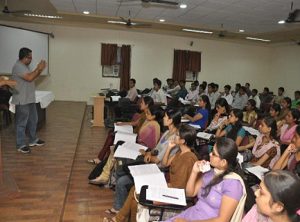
(121, 192)
(26, 116)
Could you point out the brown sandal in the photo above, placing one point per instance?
(108, 219)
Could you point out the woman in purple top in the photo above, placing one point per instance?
(202, 115)
(218, 195)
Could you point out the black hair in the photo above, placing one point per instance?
(296, 169)
(253, 105)
(204, 83)
(223, 102)
(247, 84)
(297, 92)
(288, 100)
(172, 80)
(148, 100)
(183, 81)
(188, 133)
(175, 115)
(276, 107)
(237, 126)
(271, 123)
(216, 85)
(281, 88)
(207, 106)
(238, 85)
(132, 80)
(158, 82)
(296, 114)
(227, 87)
(243, 88)
(202, 86)
(155, 79)
(157, 112)
(212, 85)
(196, 82)
(284, 188)
(255, 90)
(193, 84)
(24, 52)
(267, 89)
(227, 150)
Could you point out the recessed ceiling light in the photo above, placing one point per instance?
(117, 22)
(86, 12)
(281, 22)
(257, 39)
(183, 6)
(44, 16)
(197, 31)
(162, 20)
(241, 30)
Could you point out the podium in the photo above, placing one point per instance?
(98, 109)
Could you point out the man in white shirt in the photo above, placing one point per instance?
(240, 99)
(216, 91)
(132, 92)
(211, 95)
(205, 87)
(159, 97)
(175, 90)
(227, 95)
(255, 97)
(192, 94)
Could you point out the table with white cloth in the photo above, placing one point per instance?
(42, 100)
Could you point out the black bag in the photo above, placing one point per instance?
(123, 163)
(97, 170)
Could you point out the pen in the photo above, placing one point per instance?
(176, 198)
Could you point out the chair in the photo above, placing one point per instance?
(5, 95)
(258, 122)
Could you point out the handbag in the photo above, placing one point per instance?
(142, 214)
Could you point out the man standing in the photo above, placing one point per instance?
(24, 99)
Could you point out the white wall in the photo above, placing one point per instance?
(76, 71)
(285, 69)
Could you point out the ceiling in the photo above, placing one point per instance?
(258, 18)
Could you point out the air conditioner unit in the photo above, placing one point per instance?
(116, 70)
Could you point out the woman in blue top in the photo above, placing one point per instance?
(202, 114)
(234, 128)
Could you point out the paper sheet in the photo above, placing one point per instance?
(129, 150)
(195, 126)
(258, 171)
(252, 131)
(166, 195)
(240, 158)
(127, 137)
(126, 129)
(115, 98)
(206, 136)
(184, 102)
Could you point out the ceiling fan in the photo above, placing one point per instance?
(155, 1)
(296, 41)
(293, 15)
(222, 32)
(130, 24)
(7, 11)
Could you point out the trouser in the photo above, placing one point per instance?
(108, 142)
(26, 116)
(121, 192)
(129, 208)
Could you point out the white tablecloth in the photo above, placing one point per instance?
(42, 97)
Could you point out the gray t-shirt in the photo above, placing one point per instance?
(24, 92)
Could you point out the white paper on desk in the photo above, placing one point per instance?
(126, 128)
(257, 171)
(155, 193)
(129, 150)
(144, 169)
(150, 180)
(184, 120)
(115, 98)
(206, 136)
(195, 126)
(252, 131)
(184, 102)
(127, 137)
(240, 158)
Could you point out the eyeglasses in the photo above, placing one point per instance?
(214, 154)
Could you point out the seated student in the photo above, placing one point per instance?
(291, 155)
(182, 92)
(172, 120)
(144, 106)
(237, 89)
(211, 95)
(255, 97)
(285, 107)
(148, 136)
(192, 94)
(152, 91)
(279, 97)
(298, 106)
(159, 96)
(220, 191)
(274, 112)
(170, 84)
(196, 82)
(227, 95)
(234, 129)
(277, 198)
(200, 93)
(181, 165)
(240, 99)
(222, 114)
(202, 114)
(175, 89)
(204, 83)
(296, 100)
(266, 149)
(264, 96)
(287, 130)
(248, 90)
(250, 116)
(132, 92)
(216, 91)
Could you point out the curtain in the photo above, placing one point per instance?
(179, 65)
(109, 54)
(193, 61)
(125, 67)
